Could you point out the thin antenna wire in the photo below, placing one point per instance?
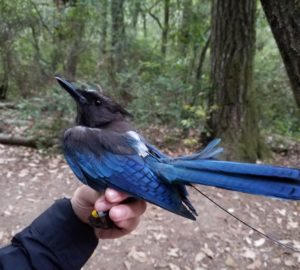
(246, 224)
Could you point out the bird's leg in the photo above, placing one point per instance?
(101, 219)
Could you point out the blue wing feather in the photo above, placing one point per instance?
(75, 168)
(125, 172)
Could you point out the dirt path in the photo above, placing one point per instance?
(30, 181)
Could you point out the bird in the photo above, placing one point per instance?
(104, 150)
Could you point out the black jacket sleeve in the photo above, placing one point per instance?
(57, 239)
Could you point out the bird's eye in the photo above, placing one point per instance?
(98, 102)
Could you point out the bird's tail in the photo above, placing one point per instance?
(249, 178)
(280, 182)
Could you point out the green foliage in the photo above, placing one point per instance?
(48, 119)
(194, 117)
(39, 39)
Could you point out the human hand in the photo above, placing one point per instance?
(126, 216)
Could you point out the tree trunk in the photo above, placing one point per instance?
(77, 23)
(75, 51)
(6, 57)
(233, 112)
(104, 24)
(4, 76)
(184, 37)
(135, 14)
(144, 16)
(118, 34)
(57, 53)
(165, 30)
(39, 63)
(284, 20)
(3, 86)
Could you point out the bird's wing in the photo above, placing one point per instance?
(103, 158)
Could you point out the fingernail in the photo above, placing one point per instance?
(112, 195)
(118, 214)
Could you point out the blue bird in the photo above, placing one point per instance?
(104, 150)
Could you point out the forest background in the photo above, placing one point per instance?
(191, 70)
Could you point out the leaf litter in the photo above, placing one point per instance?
(31, 181)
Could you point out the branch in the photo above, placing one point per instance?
(17, 140)
(7, 105)
(198, 75)
(202, 58)
(156, 19)
(40, 16)
(154, 5)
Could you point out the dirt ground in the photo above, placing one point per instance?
(31, 181)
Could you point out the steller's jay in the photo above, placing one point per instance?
(104, 150)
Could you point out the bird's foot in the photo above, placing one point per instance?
(101, 220)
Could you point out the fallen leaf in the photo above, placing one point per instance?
(281, 211)
(230, 262)
(248, 240)
(297, 255)
(7, 213)
(173, 252)
(289, 262)
(173, 266)
(276, 260)
(160, 236)
(278, 220)
(23, 173)
(200, 256)
(127, 265)
(259, 242)
(137, 255)
(207, 251)
(292, 225)
(255, 265)
(296, 244)
(249, 254)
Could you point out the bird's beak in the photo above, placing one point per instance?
(71, 89)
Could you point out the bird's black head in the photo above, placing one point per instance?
(93, 108)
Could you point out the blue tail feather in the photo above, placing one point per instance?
(209, 152)
(240, 168)
(249, 178)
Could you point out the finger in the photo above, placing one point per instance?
(85, 196)
(128, 225)
(125, 228)
(111, 198)
(114, 196)
(109, 234)
(102, 204)
(127, 211)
